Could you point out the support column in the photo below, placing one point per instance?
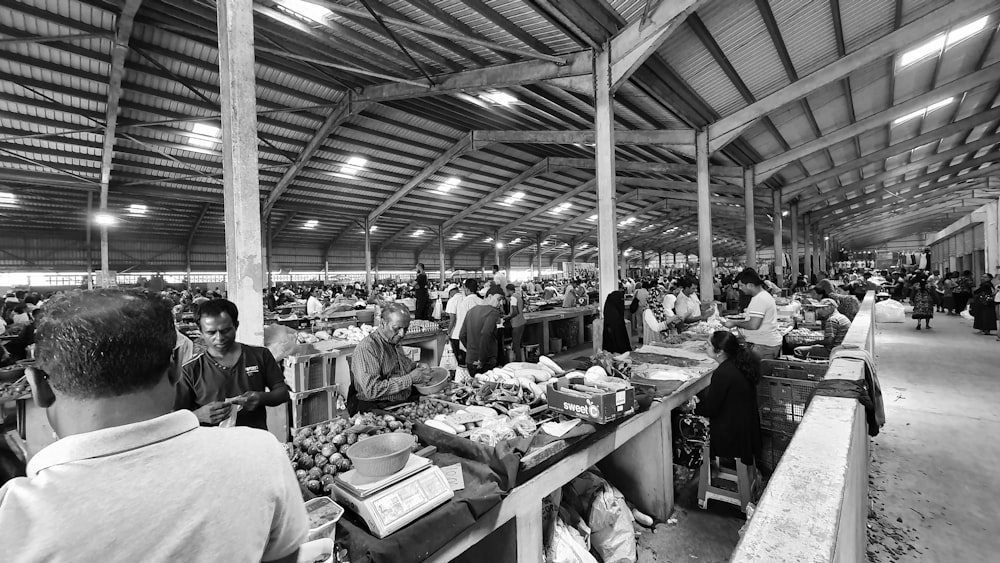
(268, 249)
(244, 280)
(992, 229)
(778, 243)
(90, 250)
(748, 210)
(572, 258)
(538, 256)
(368, 256)
(808, 255)
(793, 218)
(496, 248)
(659, 262)
(604, 137)
(705, 289)
(441, 255)
(326, 271)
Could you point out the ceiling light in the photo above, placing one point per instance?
(417, 233)
(105, 219)
(628, 221)
(784, 213)
(312, 11)
(592, 217)
(448, 184)
(561, 207)
(515, 241)
(137, 209)
(373, 228)
(354, 165)
(310, 224)
(7, 199)
(204, 130)
(456, 236)
(924, 111)
(488, 239)
(497, 97)
(499, 245)
(941, 42)
(513, 197)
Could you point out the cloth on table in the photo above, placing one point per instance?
(421, 539)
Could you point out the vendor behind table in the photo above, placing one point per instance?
(760, 329)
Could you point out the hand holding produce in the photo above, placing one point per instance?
(249, 400)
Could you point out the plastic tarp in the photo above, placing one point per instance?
(890, 311)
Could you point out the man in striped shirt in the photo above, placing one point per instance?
(835, 327)
(381, 373)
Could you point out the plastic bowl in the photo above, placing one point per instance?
(313, 550)
(440, 379)
(330, 514)
(382, 455)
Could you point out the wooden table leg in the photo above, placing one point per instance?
(529, 535)
(581, 337)
(643, 470)
(545, 338)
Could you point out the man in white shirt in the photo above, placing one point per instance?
(129, 480)
(313, 305)
(470, 300)
(455, 297)
(761, 327)
(687, 305)
(499, 277)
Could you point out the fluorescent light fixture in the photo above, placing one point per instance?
(545, 243)
(515, 241)
(373, 228)
(417, 233)
(105, 219)
(784, 213)
(456, 236)
(584, 245)
(488, 239)
(561, 207)
(7, 199)
(312, 11)
(513, 197)
(923, 112)
(310, 224)
(628, 221)
(354, 165)
(499, 244)
(448, 184)
(497, 97)
(938, 44)
(137, 209)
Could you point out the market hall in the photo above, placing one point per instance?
(504, 280)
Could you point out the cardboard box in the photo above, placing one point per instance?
(595, 407)
(412, 352)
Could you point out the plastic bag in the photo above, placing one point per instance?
(890, 311)
(448, 360)
(436, 314)
(612, 535)
(568, 546)
(234, 409)
(280, 340)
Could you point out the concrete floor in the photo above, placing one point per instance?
(935, 484)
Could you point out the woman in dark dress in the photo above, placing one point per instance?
(616, 338)
(983, 308)
(730, 402)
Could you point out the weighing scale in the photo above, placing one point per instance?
(387, 504)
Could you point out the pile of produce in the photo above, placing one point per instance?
(14, 389)
(615, 366)
(517, 383)
(801, 336)
(353, 333)
(319, 452)
(675, 339)
(480, 424)
(706, 327)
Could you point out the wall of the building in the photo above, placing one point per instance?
(971, 243)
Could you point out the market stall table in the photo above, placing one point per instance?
(546, 318)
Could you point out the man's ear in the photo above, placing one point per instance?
(41, 391)
(173, 371)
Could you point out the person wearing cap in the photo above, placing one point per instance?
(479, 333)
(760, 329)
(835, 327)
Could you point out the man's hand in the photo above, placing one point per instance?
(213, 413)
(249, 400)
(420, 375)
(728, 323)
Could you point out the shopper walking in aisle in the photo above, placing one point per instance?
(455, 297)
(480, 334)
(923, 303)
(615, 337)
(963, 291)
(125, 465)
(641, 299)
(229, 373)
(423, 307)
(515, 298)
(948, 292)
(984, 308)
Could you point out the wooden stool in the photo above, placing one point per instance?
(742, 478)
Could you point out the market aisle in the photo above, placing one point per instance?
(935, 462)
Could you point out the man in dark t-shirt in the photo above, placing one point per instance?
(228, 372)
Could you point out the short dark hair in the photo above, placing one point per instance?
(105, 343)
(472, 285)
(511, 287)
(215, 308)
(421, 265)
(749, 275)
(685, 282)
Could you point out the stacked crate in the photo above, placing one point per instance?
(314, 395)
(784, 392)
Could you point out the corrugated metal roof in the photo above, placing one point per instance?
(739, 30)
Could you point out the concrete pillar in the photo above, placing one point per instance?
(90, 253)
(605, 170)
(496, 248)
(778, 242)
(244, 279)
(572, 258)
(704, 216)
(793, 219)
(441, 254)
(326, 271)
(366, 225)
(748, 210)
(992, 240)
(538, 256)
(809, 248)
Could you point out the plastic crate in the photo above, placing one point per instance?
(773, 446)
(313, 407)
(782, 402)
(306, 373)
(794, 369)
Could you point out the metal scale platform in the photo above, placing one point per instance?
(387, 504)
